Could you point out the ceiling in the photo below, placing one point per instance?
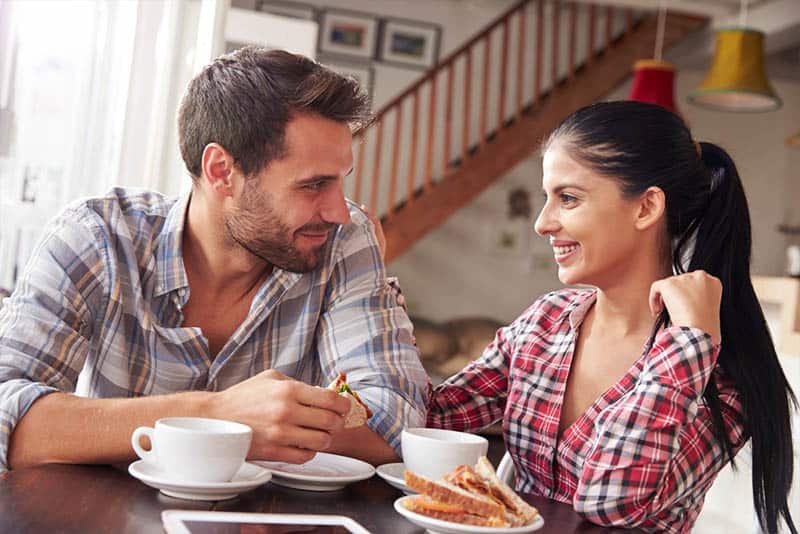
(778, 19)
(710, 8)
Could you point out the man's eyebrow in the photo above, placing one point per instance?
(320, 178)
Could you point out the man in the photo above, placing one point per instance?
(232, 302)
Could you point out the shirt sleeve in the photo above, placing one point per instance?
(365, 333)
(655, 449)
(475, 397)
(46, 324)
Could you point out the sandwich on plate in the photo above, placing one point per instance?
(471, 496)
(359, 412)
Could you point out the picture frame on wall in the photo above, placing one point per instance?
(248, 27)
(348, 33)
(295, 10)
(363, 72)
(409, 43)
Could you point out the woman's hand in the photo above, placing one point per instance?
(378, 230)
(692, 299)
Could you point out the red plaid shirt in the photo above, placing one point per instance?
(642, 455)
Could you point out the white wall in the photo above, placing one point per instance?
(453, 272)
(460, 20)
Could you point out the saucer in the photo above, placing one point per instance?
(250, 476)
(438, 526)
(393, 474)
(324, 472)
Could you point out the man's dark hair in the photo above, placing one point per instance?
(244, 100)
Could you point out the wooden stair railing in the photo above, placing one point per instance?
(489, 104)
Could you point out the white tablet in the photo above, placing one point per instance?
(199, 522)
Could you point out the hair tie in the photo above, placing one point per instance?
(698, 149)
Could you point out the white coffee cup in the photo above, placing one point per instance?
(195, 449)
(432, 452)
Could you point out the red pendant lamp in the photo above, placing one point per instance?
(654, 79)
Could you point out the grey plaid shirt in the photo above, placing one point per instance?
(97, 311)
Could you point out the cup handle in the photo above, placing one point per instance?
(136, 442)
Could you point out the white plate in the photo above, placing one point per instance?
(250, 476)
(437, 526)
(393, 474)
(325, 472)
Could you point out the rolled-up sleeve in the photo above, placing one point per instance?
(46, 324)
(367, 334)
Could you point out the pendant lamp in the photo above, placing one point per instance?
(737, 80)
(654, 79)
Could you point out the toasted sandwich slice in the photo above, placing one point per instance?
(446, 493)
(523, 513)
(359, 412)
(424, 505)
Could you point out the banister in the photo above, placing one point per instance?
(445, 62)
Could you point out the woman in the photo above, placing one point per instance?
(626, 399)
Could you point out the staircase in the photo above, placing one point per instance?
(489, 104)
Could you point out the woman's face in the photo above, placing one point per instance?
(591, 226)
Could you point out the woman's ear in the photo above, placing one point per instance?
(652, 204)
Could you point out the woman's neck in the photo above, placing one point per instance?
(623, 306)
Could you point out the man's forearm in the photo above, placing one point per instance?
(63, 428)
(363, 443)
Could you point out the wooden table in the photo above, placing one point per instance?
(86, 499)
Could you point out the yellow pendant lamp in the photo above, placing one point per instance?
(737, 80)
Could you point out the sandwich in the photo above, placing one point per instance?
(359, 412)
(471, 496)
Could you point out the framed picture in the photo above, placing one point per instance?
(247, 27)
(348, 33)
(295, 10)
(410, 43)
(362, 72)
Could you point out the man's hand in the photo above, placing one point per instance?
(692, 299)
(291, 420)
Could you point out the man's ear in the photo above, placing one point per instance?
(218, 170)
(652, 204)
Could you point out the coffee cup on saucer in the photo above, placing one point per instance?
(195, 449)
(432, 452)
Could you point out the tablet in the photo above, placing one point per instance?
(200, 522)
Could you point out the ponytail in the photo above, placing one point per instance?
(643, 145)
(722, 248)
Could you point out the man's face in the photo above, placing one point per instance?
(286, 213)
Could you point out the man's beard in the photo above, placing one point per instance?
(256, 227)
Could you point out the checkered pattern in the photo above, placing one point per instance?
(642, 455)
(98, 311)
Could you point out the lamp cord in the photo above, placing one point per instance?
(662, 21)
(743, 14)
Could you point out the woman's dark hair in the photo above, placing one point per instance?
(243, 101)
(644, 145)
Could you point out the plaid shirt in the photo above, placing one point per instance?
(642, 455)
(98, 311)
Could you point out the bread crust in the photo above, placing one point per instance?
(359, 412)
(524, 512)
(451, 494)
(420, 504)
